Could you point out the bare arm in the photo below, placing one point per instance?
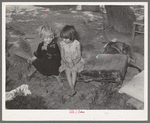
(32, 59)
(58, 44)
(78, 55)
(38, 53)
(62, 54)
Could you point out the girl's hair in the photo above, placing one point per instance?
(46, 31)
(68, 32)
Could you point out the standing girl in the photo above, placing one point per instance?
(71, 55)
(47, 57)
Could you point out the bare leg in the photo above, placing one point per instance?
(72, 80)
(59, 80)
(32, 71)
(68, 74)
(69, 78)
(74, 76)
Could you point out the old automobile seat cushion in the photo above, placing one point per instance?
(106, 64)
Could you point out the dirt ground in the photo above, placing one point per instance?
(45, 91)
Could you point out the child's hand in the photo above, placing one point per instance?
(71, 64)
(30, 60)
(67, 65)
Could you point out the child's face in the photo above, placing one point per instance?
(67, 41)
(47, 40)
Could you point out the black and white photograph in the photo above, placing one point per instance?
(74, 61)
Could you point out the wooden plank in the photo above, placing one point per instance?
(133, 32)
(139, 32)
(137, 23)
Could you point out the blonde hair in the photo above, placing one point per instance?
(46, 31)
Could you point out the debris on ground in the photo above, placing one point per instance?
(23, 89)
(135, 87)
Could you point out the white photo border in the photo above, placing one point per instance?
(89, 115)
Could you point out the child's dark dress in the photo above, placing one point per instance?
(48, 61)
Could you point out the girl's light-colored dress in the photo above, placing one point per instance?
(71, 54)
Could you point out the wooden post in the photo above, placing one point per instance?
(133, 31)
